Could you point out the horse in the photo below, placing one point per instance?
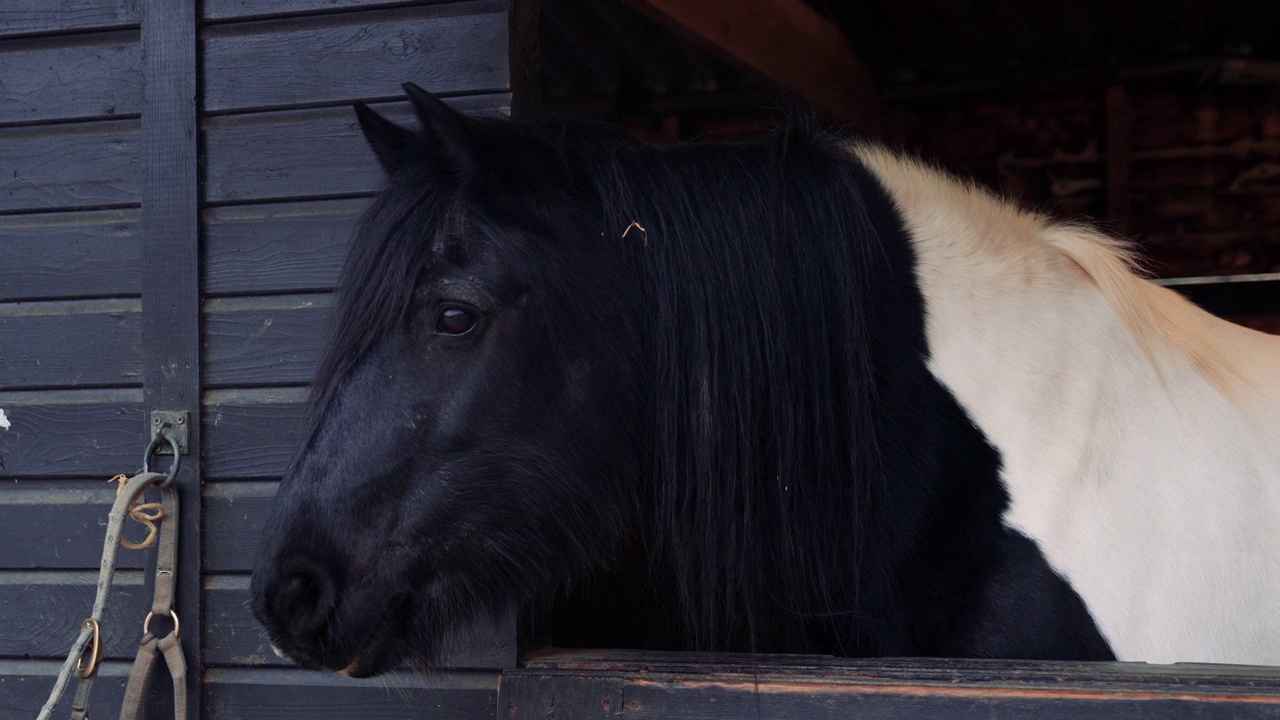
(793, 394)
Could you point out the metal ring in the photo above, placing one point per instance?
(163, 436)
(146, 623)
(93, 650)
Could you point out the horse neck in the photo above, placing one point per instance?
(1018, 331)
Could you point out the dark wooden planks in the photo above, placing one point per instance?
(256, 694)
(251, 433)
(71, 433)
(40, 613)
(70, 255)
(59, 525)
(653, 685)
(224, 10)
(233, 638)
(235, 514)
(446, 48)
(70, 344)
(272, 340)
(25, 685)
(290, 247)
(303, 153)
(75, 77)
(26, 17)
(74, 165)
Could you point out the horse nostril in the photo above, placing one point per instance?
(305, 597)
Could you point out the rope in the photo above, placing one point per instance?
(145, 514)
(86, 652)
(125, 498)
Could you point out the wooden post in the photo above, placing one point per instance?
(170, 226)
(524, 38)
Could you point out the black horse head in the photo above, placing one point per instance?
(474, 420)
(556, 347)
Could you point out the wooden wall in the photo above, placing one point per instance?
(284, 175)
(70, 338)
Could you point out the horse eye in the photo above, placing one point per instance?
(455, 320)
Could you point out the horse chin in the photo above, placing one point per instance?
(384, 646)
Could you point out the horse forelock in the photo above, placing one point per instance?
(378, 280)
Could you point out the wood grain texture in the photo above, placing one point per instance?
(302, 153)
(445, 48)
(40, 613)
(235, 514)
(291, 247)
(87, 76)
(224, 10)
(25, 685)
(272, 340)
(73, 165)
(59, 525)
(251, 433)
(69, 255)
(641, 685)
(73, 433)
(26, 17)
(260, 694)
(233, 638)
(70, 344)
(170, 222)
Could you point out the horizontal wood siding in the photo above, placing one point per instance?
(69, 166)
(272, 694)
(70, 342)
(445, 48)
(271, 340)
(29, 17)
(25, 684)
(70, 255)
(213, 11)
(71, 433)
(40, 85)
(75, 343)
(302, 154)
(251, 433)
(34, 621)
(277, 247)
(287, 176)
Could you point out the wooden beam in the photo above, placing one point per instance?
(170, 230)
(786, 43)
(525, 56)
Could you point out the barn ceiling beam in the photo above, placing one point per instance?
(785, 42)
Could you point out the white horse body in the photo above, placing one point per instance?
(1140, 436)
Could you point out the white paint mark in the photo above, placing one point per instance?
(4, 421)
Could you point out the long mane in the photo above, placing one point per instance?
(758, 262)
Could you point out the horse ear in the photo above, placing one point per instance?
(388, 140)
(448, 134)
